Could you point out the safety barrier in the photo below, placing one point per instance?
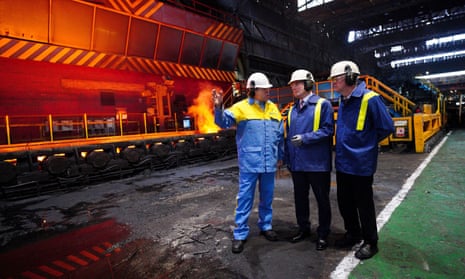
(425, 127)
(51, 128)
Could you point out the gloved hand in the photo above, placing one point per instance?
(217, 98)
(296, 140)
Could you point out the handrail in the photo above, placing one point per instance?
(284, 115)
(401, 103)
(58, 127)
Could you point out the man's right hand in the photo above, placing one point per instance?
(217, 98)
(296, 140)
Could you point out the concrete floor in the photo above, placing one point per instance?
(175, 223)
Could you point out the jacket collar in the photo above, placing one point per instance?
(253, 101)
(312, 98)
(359, 90)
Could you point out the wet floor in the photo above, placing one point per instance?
(174, 223)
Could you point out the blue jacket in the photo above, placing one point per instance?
(315, 154)
(357, 151)
(259, 134)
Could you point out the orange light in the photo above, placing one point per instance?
(12, 161)
(202, 111)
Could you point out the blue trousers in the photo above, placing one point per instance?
(245, 199)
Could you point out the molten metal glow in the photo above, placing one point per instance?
(202, 111)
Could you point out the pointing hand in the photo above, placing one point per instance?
(217, 98)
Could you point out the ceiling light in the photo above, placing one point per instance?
(428, 58)
(303, 5)
(442, 75)
(396, 48)
(351, 37)
(447, 39)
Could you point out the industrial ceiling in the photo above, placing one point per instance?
(278, 38)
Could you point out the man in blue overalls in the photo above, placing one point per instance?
(259, 139)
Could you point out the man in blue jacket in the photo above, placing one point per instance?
(308, 155)
(259, 139)
(363, 121)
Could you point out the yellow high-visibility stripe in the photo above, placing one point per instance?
(289, 116)
(243, 110)
(363, 110)
(316, 116)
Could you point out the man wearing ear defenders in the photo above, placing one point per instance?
(308, 155)
(363, 121)
(259, 139)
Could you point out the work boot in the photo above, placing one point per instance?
(321, 244)
(269, 235)
(237, 246)
(366, 251)
(301, 235)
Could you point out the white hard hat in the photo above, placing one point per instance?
(344, 67)
(258, 80)
(301, 75)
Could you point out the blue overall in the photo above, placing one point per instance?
(260, 144)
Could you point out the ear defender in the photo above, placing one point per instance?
(350, 77)
(308, 83)
(252, 88)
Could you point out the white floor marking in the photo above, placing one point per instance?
(349, 262)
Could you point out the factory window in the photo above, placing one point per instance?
(191, 50)
(107, 98)
(71, 24)
(168, 44)
(211, 53)
(228, 56)
(110, 32)
(303, 5)
(142, 38)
